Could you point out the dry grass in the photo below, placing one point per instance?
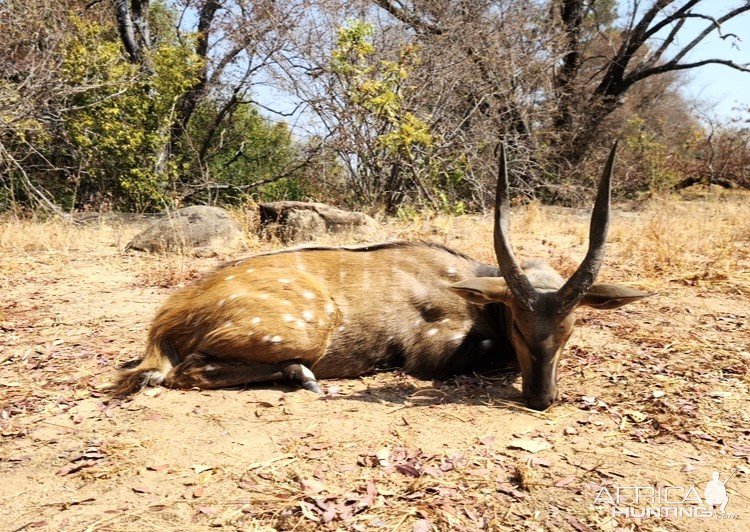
(697, 239)
(656, 393)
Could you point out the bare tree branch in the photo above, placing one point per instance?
(410, 19)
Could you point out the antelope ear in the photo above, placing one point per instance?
(483, 290)
(609, 296)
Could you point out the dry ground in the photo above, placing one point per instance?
(655, 395)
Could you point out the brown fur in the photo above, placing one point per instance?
(343, 312)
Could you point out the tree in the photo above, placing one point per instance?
(553, 72)
(32, 95)
(234, 41)
(645, 47)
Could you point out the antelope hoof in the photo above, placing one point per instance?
(313, 386)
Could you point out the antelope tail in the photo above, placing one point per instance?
(151, 371)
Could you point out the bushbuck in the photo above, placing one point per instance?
(335, 312)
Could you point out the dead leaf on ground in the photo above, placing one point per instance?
(564, 481)
(312, 486)
(575, 523)
(423, 525)
(532, 446)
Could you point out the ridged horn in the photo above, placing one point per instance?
(519, 284)
(579, 283)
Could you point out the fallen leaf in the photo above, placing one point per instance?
(532, 446)
(628, 452)
(307, 511)
(204, 477)
(383, 455)
(575, 523)
(511, 491)
(200, 468)
(73, 468)
(588, 399)
(636, 416)
(406, 469)
(432, 471)
(371, 493)
(564, 481)
(199, 492)
(329, 513)
(141, 489)
(537, 461)
(312, 486)
(488, 440)
(423, 525)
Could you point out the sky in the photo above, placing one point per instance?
(721, 87)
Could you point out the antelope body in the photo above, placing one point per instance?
(308, 313)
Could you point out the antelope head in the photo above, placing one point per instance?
(540, 303)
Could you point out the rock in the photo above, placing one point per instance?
(298, 220)
(302, 225)
(205, 231)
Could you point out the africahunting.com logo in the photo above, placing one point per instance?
(641, 502)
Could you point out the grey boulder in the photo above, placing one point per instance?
(199, 229)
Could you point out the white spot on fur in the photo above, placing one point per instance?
(152, 378)
(445, 320)
(330, 308)
(250, 270)
(308, 295)
(300, 324)
(284, 280)
(458, 337)
(229, 277)
(209, 367)
(452, 271)
(288, 317)
(432, 332)
(266, 338)
(220, 303)
(341, 328)
(250, 333)
(234, 296)
(263, 295)
(228, 323)
(287, 303)
(307, 374)
(256, 320)
(308, 316)
(275, 339)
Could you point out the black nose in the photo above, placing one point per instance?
(540, 403)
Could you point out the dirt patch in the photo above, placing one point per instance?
(655, 395)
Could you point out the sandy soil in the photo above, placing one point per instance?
(655, 396)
